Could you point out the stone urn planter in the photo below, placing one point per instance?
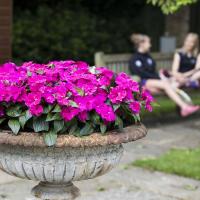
(71, 159)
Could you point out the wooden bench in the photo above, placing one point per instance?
(120, 62)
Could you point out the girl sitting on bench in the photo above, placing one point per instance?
(186, 64)
(143, 65)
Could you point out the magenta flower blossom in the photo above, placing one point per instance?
(33, 99)
(8, 68)
(106, 112)
(83, 116)
(135, 107)
(146, 96)
(148, 107)
(125, 81)
(105, 76)
(148, 99)
(68, 113)
(85, 103)
(36, 110)
(117, 95)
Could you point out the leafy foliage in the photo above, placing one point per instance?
(170, 6)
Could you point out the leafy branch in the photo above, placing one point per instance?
(170, 6)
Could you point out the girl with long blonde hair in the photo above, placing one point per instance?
(186, 63)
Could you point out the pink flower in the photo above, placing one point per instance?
(83, 116)
(49, 98)
(88, 86)
(117, 95)
(146, 95)
(101, 95)
(125, 81)
(33, 99)
(8, 68)
(148, 106)
(104, 76)
(36, 110)
(106, 112)
(135, 107)
(85, 103)
(68, 113)
(148, 98)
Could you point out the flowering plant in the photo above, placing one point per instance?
(67, 97)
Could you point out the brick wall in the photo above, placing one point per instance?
(5, 30)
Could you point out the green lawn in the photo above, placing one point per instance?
(168, 107)
(183, 162)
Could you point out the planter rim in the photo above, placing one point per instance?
(130, 133)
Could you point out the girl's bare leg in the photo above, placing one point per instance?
(152, 85)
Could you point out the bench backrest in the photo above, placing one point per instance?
(120, 62)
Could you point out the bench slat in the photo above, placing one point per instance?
(120, 62)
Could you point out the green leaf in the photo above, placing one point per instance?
(69, 94)
(86, 130)
(116, 107)
(80, 91)
(14, 111)
(58, 125)
(137, 118)
(73, 128)
(39, 124)
(24, 118)
(51, 65)
(2, 120)
(22, 121)
(28, 115)
(50, 138)
(40, 71)
(14, 125)
(108, 102)
(53, 117)
(155, 104)
(73, 104)
(95, 118)
(29, 74)
(103, 128)
(57, 109)
(77, 132)
(47, 109)
(119, 123)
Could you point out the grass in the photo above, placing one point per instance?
(168, 107)
(182, 162)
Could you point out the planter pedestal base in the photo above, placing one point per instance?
(48, 191)
(71, 159)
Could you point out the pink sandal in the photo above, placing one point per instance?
(189, 110)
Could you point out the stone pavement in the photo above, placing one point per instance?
(131, 183)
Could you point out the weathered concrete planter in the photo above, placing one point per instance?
(72, 159)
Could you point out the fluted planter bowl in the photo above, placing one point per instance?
(71, 159)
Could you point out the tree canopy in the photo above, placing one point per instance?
(171, 6)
